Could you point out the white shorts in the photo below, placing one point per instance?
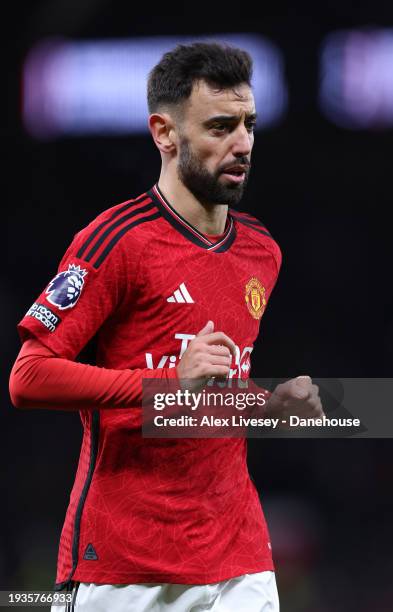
(248, 593)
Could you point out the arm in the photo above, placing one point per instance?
(40, 379)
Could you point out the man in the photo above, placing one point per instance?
(174, 285)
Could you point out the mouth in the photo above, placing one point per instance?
(235, 178)
(236, 173)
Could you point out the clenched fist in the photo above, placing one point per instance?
(298, 397)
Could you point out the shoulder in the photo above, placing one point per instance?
(114, 228)
(255, 230)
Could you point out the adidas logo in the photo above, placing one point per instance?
(181, 296)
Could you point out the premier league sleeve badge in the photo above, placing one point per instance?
(65, 288)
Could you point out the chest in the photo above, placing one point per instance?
(180, 288)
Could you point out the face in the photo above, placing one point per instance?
(216, 137)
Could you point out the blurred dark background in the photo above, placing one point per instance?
(325, 193)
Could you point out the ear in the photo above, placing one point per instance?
(163, 131)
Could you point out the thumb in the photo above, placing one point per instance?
(208, 329)
(303, 383)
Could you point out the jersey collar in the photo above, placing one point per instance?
(190, 232)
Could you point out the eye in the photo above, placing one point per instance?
(220, 127)
(250, 127)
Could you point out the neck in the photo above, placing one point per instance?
(207, 219)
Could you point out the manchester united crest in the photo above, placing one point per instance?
(255, 298)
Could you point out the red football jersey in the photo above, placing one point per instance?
(145, 281)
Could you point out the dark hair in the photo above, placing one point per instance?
(172, 79)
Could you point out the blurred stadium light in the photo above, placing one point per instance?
(99, 87)
(356, 89)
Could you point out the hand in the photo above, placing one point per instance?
(297, 396)
(208, 354)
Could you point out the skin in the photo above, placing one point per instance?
(217, 144)
(213, 130)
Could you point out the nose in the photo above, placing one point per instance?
(243, 142)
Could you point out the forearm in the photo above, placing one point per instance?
(39, 379)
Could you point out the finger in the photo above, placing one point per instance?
(208, 329)
(303, 381)
(215, 370)
(309, 409)
(290, 391)
(216, 349)
(219, 360)
(319, 407)
(302, 387)
(221, 338)
(315, 394)
(315, 390)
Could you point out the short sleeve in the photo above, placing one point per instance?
(77, 301)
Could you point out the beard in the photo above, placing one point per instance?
(204, 185)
